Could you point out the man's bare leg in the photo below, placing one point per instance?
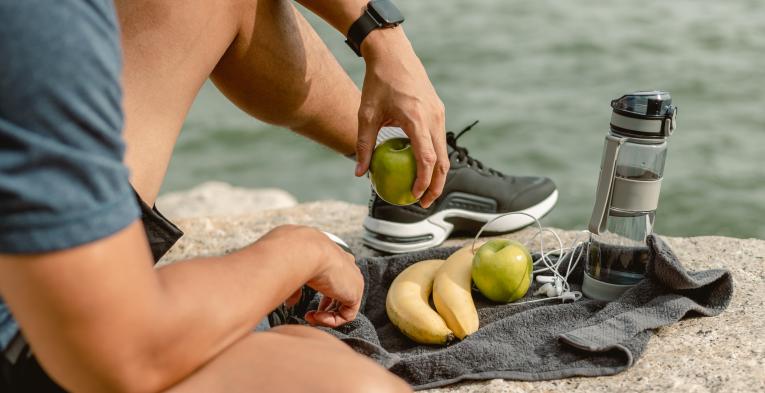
(290, 359)
(262, 54)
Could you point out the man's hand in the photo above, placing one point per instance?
(397, 92)
(341, 285)
(338, 278)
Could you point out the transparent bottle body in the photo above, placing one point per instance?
(619, 254)
(641, 159)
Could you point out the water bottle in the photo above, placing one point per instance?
(628, 192)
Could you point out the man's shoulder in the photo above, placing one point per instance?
(59, 58)
(62, 179)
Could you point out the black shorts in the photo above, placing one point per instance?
(19, 369)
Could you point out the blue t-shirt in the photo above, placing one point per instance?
(62, 180)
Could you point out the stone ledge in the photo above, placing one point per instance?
(718, 354)
(219, 199)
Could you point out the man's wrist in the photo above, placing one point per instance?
(278, 245)
(384, 42)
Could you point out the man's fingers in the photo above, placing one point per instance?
(424, 154)
(321, 318)
(331, 312)
(324, 303)
(369, 126)
(441, 168)
(347, 313)
(312, 319)
(335, 318)
(440, 171)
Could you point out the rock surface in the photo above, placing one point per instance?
(719, 354)
(218, 199)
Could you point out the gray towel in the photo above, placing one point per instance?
(543, 340)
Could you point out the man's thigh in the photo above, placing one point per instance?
(170, 48)
(263, 55)
(295, 359)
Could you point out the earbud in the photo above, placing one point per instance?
(558, 286)
(549, 289)
(553, 286)
(543, 290)
(573, 296)
(544, 279)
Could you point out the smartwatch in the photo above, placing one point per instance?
(378, 14)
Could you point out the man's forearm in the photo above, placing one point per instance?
(339, 13)
(100, 318)
(342, 13)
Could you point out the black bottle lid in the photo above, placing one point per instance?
(644, 104)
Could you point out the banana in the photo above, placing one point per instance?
(408, 308)
(451, 292)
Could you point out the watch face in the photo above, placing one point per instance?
(385, 11)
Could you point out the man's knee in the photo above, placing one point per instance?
(302, 331)
(369, 378)
(311, 333)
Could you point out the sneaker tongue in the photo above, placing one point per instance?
(452, 148)
(471, 162)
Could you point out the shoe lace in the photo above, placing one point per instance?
(462, 152)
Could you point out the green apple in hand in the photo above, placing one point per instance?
(502, 270)
(393, 170)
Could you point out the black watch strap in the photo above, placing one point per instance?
(360, 29)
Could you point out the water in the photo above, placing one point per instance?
(540, 76)
(616, 264)
(637, 173)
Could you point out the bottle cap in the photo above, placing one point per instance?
(643, 114)
(647, 104)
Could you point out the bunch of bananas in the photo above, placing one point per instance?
(408, 307)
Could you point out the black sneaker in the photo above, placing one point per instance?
(473, 195)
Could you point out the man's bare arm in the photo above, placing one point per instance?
(100, 318)
(396, 92)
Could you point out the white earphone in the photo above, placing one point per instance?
(552, 286)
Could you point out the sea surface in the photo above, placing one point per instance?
(539, 75)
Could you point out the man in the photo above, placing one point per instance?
(75, 264)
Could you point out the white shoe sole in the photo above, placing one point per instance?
(396, 238)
